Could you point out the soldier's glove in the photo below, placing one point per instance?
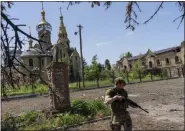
(118, 97)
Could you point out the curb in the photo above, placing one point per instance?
(80, 124)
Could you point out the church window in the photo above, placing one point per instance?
(64, 55)
(30, 62)
(43, 62)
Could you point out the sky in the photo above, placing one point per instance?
(104, 32)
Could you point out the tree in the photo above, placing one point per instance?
(131, 14)
(84, 62)
(128, 54)
(137, 69)
(95, 69)
(107, 64)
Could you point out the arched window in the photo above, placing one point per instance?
(76, 58)
(30, 62)
(125, 67)
(130, 66)
(167, 61)
(42, 62)
(158, 62)
(150, 64)
(176, 59)
(64, 55)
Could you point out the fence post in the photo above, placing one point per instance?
(79, 81)
(151, 76)
(127, 76)
(170, 73)
(182, 71)
(113, 77)
(140, 76)
(161, 74)
(178, 72)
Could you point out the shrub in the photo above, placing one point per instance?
(9, 123)
(30, 117)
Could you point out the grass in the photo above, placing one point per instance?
(80, 111)
(27, 90)
(40, 89)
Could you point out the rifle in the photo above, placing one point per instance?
(134, 104)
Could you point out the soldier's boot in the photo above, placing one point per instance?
(128, 125)
(115, 127)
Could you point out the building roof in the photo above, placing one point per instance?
(156, 53)
(32, 52)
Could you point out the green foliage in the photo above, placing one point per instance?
(81, 111)
(137, 69)
(107, 64)
(165, 73)
(9, 123)
(128, 54)
(87, 108)
(67, 119)
(29, 117)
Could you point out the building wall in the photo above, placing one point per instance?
(76, 66)
(161, 57)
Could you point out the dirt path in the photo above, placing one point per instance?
(163, 99)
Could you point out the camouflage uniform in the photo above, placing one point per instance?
(120, 115)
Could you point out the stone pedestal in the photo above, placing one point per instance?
(60, 100)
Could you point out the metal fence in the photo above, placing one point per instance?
(154, 74)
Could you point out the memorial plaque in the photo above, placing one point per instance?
(59, 80)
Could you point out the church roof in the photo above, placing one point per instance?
(32, 52)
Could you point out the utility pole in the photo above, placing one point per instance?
(80, 36)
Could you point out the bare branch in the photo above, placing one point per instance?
(181, 6)
(137, 6)
(160, 6)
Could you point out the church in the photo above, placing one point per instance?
(40, 55)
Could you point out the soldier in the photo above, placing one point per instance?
(120, 115)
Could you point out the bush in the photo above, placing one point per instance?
(80, 111)
(9, 123)
(29, 117)
(68, 119)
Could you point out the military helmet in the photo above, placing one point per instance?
(120, 80)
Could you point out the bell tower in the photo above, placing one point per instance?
(44, 31)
